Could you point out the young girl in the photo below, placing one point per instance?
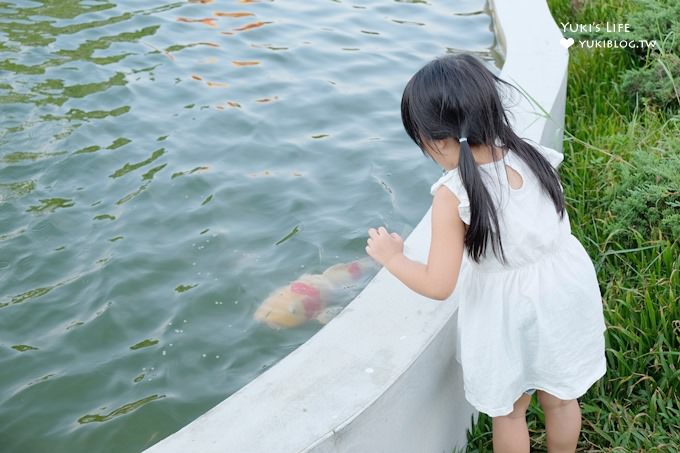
(530, 314)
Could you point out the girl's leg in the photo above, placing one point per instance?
(562, 422)
(510, 432)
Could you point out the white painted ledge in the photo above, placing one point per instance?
(383, 376)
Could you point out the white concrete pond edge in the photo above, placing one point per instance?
(383, 375)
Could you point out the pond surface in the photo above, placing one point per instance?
(166, 166)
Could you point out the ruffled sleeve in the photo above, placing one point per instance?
(554, 157)
(451, 179)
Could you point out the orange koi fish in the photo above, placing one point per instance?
(314, 296)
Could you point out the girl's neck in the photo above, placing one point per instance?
(482, 154)
(446, 153)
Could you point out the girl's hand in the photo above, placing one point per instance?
(383, 246)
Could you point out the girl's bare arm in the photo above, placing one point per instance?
(437, 279)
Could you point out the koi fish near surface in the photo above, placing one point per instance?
(315, 296)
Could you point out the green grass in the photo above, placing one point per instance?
(634, 407)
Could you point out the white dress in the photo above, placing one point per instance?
(537, 322)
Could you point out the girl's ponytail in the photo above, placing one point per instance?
(483, 216)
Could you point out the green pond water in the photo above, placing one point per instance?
(155, 158)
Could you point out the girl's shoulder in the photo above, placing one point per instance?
(553, 156)
(451, 179)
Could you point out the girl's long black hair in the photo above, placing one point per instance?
(456, 96)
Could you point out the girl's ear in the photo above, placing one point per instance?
(431, 147)
(439, 145)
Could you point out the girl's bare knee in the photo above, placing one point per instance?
(550, 402)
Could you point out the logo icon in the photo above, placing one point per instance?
(567, 43)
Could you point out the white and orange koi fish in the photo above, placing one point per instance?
(315, 296)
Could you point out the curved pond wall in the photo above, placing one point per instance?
(383, 376)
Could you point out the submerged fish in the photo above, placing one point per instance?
(314, 296)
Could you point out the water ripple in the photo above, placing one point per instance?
(163, 168)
